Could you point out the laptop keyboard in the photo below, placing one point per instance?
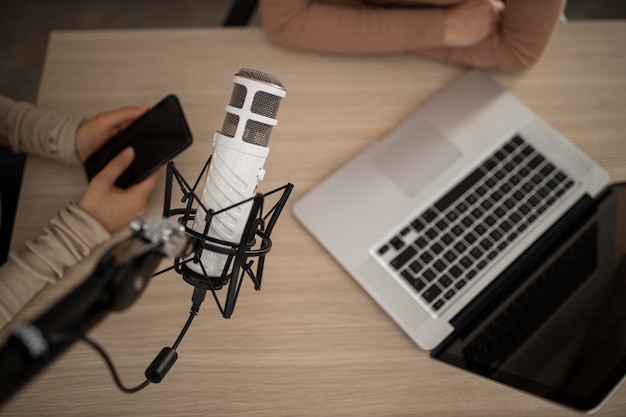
(442, 250)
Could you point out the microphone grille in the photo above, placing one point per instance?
(260, 76)
(229, 128)
(238, 96)
(263, 103)
(257, 133)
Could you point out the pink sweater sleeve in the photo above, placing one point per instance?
(350, 27)
(356, 27)
(525, 32)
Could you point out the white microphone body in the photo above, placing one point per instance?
(234, 173)
(236, 166)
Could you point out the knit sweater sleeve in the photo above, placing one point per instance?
(34, 131)
(67, 240)
(344, 26)
(350, 27)
(70, 235)
(525, 31)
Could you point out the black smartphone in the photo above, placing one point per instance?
(157, 137)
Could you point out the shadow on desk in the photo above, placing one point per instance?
(11, 170)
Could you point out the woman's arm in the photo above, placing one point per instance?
(67, 240)
(35, 131)
(351, 26)
(523, 35)
(77, 229)
(516, 43)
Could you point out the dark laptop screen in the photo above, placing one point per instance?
(560, 333)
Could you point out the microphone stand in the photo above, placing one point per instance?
(116, 283)
(124, 271)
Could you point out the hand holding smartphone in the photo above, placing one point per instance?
(157, 137)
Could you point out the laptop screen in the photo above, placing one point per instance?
(559, 333)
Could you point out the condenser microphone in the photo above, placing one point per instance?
(239, 152)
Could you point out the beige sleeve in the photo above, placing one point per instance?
(35, 131)
(71, 234)
(67, 240)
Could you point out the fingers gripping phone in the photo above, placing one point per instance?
(157, 137)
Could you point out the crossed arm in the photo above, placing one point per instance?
(477, 33)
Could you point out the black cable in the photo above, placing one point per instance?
(111, 367)
(197, 299)
(164, 360)
(179, 339)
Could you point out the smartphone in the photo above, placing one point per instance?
(157, 137)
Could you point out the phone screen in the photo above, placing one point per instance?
(157, 136)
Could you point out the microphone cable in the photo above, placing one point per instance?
(162, 363)
(111, 366)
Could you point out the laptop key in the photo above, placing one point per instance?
(397, 243)
(450, 256)
(418, 225)
(408, 276)
(436, 248)
(517, 141)
(404, 257)
(415, 266)
(455, 271)
(431, 293)
(429, 275)
(418, 284)
(546, 170)
(440, 265)
(536, 161)
(466, 261)
(528, 150)
(429, 216)
(421, 243)
(445, 281)
(426, 257)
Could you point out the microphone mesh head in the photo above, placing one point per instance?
(257, 133)
(260, 76)
(229, 128)
(238, 96)
(263, 104)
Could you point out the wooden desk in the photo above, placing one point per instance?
(311, 343)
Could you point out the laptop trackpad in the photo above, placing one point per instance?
(415, 157)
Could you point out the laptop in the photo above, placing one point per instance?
(454, 210)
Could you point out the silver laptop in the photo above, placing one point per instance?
(429, 216)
